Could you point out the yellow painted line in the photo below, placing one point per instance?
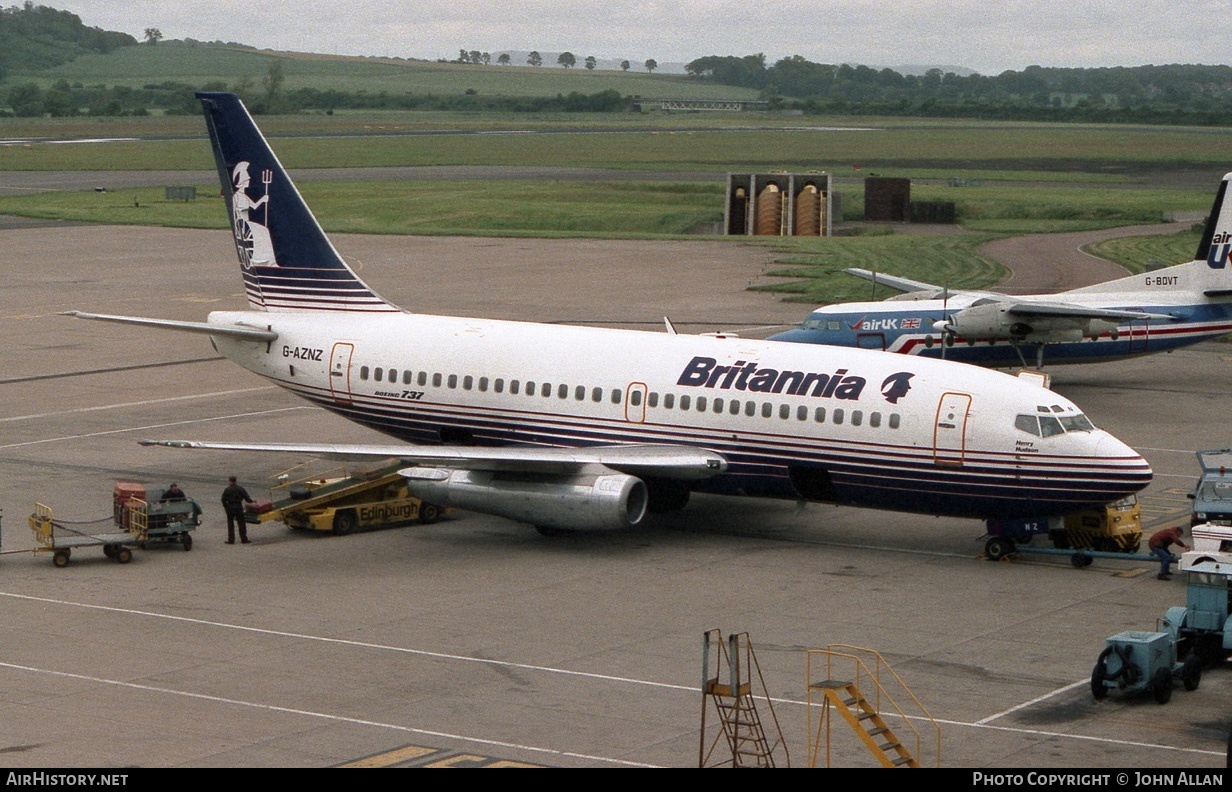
(460, 760)
(390, 758)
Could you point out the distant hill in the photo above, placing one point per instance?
(34, 38)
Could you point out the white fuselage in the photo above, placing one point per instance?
(793, 420)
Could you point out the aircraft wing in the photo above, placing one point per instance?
(1072, 311)
(893, 281)
(657, 461)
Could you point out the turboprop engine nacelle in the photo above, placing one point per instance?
(987, 320)
(602, 500)
(995, 320)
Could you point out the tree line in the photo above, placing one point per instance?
(28, 100)
(1175, 94)
(566, 59)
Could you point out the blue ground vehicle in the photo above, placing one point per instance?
(1190, 637)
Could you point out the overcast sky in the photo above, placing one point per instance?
(989, 37)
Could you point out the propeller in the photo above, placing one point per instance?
(944, 325)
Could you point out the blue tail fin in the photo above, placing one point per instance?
(288, 263)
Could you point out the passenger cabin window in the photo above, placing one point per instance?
(669, 401)
(377, 373)
(468, 382)
(453, 380)
(436, 380)
(684, 402)
(579, 393)
(393, 375)
(596, 395)
(406, 377)
(635, 398)
(895, 420)
(652, 400)
(423, 378)
(363, 372)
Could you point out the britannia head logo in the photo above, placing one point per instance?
(895, 386)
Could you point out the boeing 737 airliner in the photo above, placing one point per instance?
(587, 428)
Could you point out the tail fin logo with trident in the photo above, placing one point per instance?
(252, 237)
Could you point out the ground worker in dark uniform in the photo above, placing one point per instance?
(173, 493)
(233, 499)
(1160, 542)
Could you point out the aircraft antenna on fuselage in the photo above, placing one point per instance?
(287, 261)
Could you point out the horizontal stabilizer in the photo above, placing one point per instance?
(659, 461)
(231, 331)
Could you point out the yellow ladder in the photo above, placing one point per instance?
(741, 728)
(867, 723)
(865, 714)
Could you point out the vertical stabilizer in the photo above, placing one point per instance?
(288, 263)
(1217, 238)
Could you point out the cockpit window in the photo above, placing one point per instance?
(1077, 423)
(1050, 426)
(812, 324)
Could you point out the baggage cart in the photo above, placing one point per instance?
(60, 539)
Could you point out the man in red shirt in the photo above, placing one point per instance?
(1159, 543)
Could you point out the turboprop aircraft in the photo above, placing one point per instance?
(1156, 311)
(586, 428)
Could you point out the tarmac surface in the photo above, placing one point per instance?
(476, 641)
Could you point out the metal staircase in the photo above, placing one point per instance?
(842, 693)
(728, 669)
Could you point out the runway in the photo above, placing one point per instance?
(476, 641)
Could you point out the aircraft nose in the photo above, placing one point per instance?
(1127, 470)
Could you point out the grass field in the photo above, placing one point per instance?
(813, 271)
(1090, 154)
(1017, 177)
(1141, 254)
(510, 208)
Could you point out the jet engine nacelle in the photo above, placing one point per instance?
(603, 500)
